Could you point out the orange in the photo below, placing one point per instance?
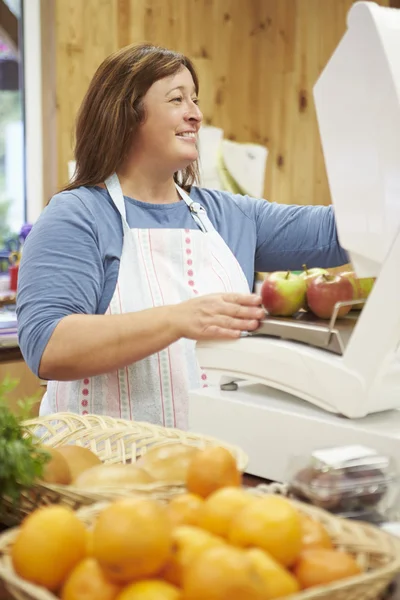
(50, 542)
(87, 582)
(211, 469)
(223, 573)
(188, 543)
(221, 507)
(314, 534)
(277, 580)
(89, 542)
(132, 539)
(184, 509)
(321, 566)
(272, 524)
(150, 590)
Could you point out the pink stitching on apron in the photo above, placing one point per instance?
(119, 387)
(158, 354)
(168, 350)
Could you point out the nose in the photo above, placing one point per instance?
(194, 113)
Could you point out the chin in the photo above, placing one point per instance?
(184, 153)
(184, 162)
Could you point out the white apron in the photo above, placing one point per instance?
(157, 267)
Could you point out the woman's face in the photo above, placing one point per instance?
(172, 121)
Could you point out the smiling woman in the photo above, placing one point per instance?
(115, 108)
(132, 262)
(169, 130)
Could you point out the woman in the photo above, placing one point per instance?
(131, 264)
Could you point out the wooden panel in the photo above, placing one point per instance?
(257, 59)
(86, 34)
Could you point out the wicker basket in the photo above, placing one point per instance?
(376, 551)
(114, 441)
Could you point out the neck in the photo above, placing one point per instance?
(147, 183)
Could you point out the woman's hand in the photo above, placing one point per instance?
(217, 316)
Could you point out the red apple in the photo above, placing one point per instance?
(310, 274)
(362, 287)
(325, 291)
(283, 293)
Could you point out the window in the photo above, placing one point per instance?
(12, 136)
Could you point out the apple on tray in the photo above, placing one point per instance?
(324, 291)
(362, 287)
(310, 274)
(283, 293)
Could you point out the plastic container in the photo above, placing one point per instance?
(351, 481)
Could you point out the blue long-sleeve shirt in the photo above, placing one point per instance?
(71, 257)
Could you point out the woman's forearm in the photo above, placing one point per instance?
(87, 345)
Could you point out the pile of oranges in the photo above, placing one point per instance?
(214, 542)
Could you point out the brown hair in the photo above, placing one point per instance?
(113, 109)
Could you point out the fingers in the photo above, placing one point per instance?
(215, 332)
(234, 316)
(241, 324)
(243, 299)
(219, 333)
(245, 312)
(230, 323)
(243, 307)
(221, 316)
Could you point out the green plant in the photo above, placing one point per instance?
(22, 459)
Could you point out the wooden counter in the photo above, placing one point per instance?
(10, 354)
(7, 298)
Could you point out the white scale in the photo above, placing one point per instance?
(301, 384)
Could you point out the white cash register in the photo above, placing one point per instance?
(300, 384)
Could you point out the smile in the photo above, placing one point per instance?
(187, 135)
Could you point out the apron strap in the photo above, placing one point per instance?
(114, 189)
(197, 212)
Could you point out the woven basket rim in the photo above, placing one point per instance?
(108, 430)
(111, 424)
(387, 571)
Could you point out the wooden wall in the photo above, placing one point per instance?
(257, 61)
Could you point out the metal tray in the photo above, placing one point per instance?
(305, 328)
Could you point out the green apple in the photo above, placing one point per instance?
(362, 287)
(283, 293)
(310, 274)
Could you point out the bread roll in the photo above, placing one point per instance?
(112, 475)
(168, 462)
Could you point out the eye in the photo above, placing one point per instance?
(179, 99)
(195, 101)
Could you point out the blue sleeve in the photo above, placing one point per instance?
(289, 236)
(61, 273)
